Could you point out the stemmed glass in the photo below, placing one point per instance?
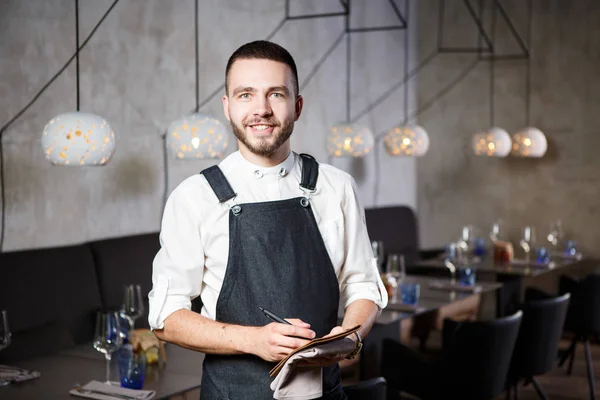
(527, 243)
(5, 336)
(133, 305)
(555, 236)
(378, 253)
(396, 270)
(107, 338)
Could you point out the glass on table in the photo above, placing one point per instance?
(107, 337)
(527, 242)
(409, 292)
(467, 276)
(542, 255)
(378, 253)
(571, 248)
(133, 304)
(5, 337)
(396, 267)
(132, 369)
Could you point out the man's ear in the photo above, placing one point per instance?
(225, 101)
(299, 105)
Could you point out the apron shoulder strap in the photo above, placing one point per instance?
(218, 183)
(310, 172)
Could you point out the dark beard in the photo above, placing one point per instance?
(265, 148)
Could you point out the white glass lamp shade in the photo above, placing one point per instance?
(197, 136)
(347, 139)
(530, 142)
(406, 141)
(494, 143)
(77, 138)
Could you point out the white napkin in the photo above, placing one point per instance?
(296, 382)
(458, 287)
(15, 374)
(102, 391)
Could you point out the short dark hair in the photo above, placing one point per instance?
(262, 49)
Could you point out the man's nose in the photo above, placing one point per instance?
(262, 107)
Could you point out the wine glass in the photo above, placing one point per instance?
(396, 271)
(555, 236)
(107, 338)
(5, 336)
(527, 243)
(496, 233)
(378, 253)
(133, 305)
(396, 267)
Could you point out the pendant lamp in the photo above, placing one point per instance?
(406, 140)
(78, 138)
(197, 136)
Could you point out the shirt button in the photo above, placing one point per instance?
(283, 172)
(258, 174)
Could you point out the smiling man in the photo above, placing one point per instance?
(266, 228)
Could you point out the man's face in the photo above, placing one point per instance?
(261, 104)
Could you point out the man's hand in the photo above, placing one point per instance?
(273, 342)
(324, 361)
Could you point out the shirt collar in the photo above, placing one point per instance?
(256, 171)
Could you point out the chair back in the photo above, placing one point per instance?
(371, 389)
(397, 228)
(539, 335)
(583, 316)
(476, 356)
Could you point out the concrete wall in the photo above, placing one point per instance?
(138, 72)
(454, 187)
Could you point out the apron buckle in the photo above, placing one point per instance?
(305, 201)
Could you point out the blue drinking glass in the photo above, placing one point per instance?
(479, 247)
(467, 276)
(132, 368)
(542, 255)
(409, 293)
(571, 248)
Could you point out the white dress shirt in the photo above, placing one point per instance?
(195, 234)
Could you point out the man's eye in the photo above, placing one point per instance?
(245, 96)
(277, 95)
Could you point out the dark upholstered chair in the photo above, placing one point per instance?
(371, 389)
(583, 319)
(473, 363)
(538, 340)
(122, 261)
(398, 229)
(51, 296)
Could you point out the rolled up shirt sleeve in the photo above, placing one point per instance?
(359, 277)
(178, 266)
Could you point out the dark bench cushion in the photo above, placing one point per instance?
(397, 228)
(51, 293)
(122, 261)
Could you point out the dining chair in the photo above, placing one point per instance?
(538, 340)
(473, 362)
(371, 389)
(583, 320)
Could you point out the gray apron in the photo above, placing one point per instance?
(278, 261)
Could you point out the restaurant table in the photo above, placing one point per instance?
(515, 276)
(431, 300)
(77, 366)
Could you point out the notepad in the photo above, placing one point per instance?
(312, 343)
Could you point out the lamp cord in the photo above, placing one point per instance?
(348, 60)
(406, 41)
(77, 49)
(528, 73)
(492, 63)
(196, 55)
